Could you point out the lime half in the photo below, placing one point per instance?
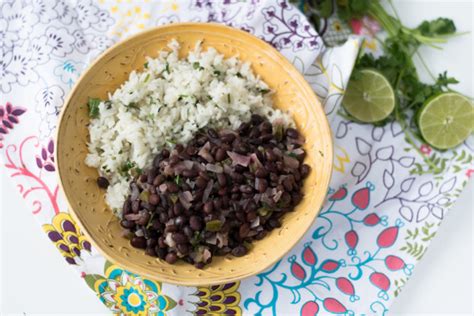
(369, 97)
(446, 120)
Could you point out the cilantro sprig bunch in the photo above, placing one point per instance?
(400, 47)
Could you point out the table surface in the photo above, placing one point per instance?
(52, 287)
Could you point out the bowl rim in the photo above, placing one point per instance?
(300, 78)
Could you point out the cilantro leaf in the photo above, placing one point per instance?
(93, 105)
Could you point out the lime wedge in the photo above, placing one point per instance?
(369, 97)
(446, 120)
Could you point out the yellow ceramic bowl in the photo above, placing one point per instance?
(107, 73)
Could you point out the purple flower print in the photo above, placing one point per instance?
(46, 159)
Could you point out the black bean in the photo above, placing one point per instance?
(201, 182)
(244, 230)
(102, 182)
(292, 133)
(287, 183)
(246, 188)
(154, 199)
(296, 197)
(145, 217)
(261, 173)
(143, 178)
(239, 251)
(138, 242)
(265, 138)
(171, 228)
(127, 224)
(159, 179)
(165, 153)
(163, 217)
(152, 173)
(261, 235)
(296, 175)
(239, 169)
(261, 185)
(189, 173)
(127, 207)
(185, 186)
(251, 216)
(255, 141)
(188, 232)
(237, 177)
(151, 251)
(243, 128)
(179, 238)
(191, 150)
(156, 224)
(240, 216)
(274, 177)
(228, 138)
(274, 223)
(221, 179)
(212, 133)
(172, 187)
(241, 148)
(171, 257)
(135, 206)
(256, 119)
(305, 170)
(183, 249)
(265, 127)
(174, 159)
(195, 222)
(220, 154)
(235, 196)
(251, 206)
(222, 191)
(161, 252)
(285, 199)
(156, 161)
(208, 207)
(254, 132)
(199, 265)
(248, 175)
(217, 204)
(161, 242)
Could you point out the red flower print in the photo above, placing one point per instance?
(339, 194)
(334, 306)
(310, 309)
(387, 237)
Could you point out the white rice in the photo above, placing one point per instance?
(168, 103)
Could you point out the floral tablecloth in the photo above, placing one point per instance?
(381, 210)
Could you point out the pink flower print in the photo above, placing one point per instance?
(425, 149)
(371, 25)
(469, 172)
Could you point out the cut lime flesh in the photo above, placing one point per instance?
(446, 120)
(369, 97)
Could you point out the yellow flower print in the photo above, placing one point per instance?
(67, 237)
(218, 300)
(126, 293)
(341, 158)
